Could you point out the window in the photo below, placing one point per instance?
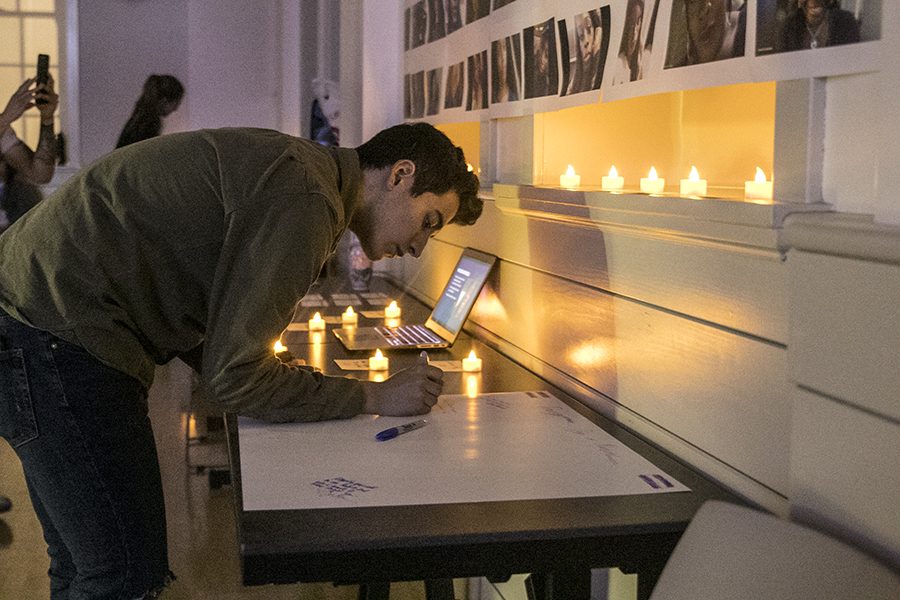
(29, 28)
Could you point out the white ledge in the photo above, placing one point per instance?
(851, 236)
(756, 224)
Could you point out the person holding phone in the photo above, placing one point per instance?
(21, 168)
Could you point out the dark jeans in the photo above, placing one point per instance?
(82, 433)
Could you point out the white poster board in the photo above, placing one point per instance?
(493, 447)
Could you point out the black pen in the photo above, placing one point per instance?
(391, 433)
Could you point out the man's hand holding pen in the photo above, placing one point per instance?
(412, 391)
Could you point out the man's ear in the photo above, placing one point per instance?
(401, 171)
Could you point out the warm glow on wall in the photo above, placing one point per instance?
(468, 137)
(726, 131)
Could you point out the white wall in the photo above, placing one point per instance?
(120, 44)
(862, 145)
(371, 68)
(234, 67)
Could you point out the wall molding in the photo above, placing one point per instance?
(844, 235)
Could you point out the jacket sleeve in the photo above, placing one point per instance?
(269, 259)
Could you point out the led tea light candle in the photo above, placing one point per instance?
(281, 352)
(653, 183)
(349, 317)
(612, 182)
(693, 185)
(570, 179)
(317, 323)
(472, 363)
(392, 311)
(759, 188)
(379, 362)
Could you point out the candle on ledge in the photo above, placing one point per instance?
(472, 363)
(570, 179)
(349, 317)
(653, 183)
(392, 311)
(393, 323)
(613, 182)
(317, 323)
(759, 188)
(693, 185)
(379, 362)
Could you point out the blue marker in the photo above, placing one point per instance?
(389, 434)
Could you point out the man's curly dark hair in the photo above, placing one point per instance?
(440, 166)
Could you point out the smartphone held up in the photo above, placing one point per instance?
(43, 74)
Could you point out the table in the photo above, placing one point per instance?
(558, 540)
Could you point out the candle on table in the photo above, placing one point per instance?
(282, 353)
(379, 362)
(392, 311)
(317, 323)
(613, 181)
(471, 363)
(653, 183)
(570, 179)
(349, 317)
(759, 188)
(693, 185)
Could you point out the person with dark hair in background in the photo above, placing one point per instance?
(160, 97)
(716, 29)
(817, 24)
(21, 169)
(196, 245)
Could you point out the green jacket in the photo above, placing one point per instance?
(205, 237)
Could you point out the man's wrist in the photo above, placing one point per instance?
(369, 402)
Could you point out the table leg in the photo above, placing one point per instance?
(647, 578)
(439, 589)
(375, 590)
(573, 584)
(537, 586)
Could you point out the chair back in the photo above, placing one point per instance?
(730, 552)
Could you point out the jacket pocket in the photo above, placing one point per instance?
(17, 422)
